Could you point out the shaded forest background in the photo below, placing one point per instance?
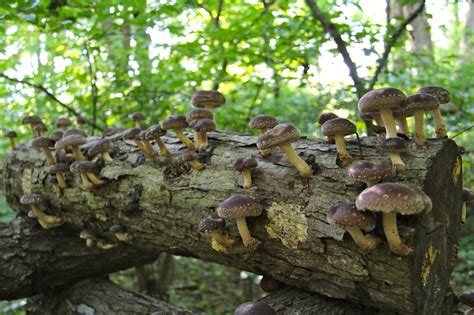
(105, 59)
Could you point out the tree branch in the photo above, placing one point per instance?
(52, 96)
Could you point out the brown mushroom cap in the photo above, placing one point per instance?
(467, 195)
(348, 215)
(211, 224)
(75, 131)
(174, 122)
(117, 229)
(280, 134)
(59, 168)
(84, 167)
(131, 134)
(81, 121)
(71, 140)
(369, 171)
(325, 117)
(439, 92)
(10, 134)
(189, 156)
(154, 131)
(42, 142)
(56, 135)
(198, 113)
(238, 207)
(137, 116)
(338, 126)
(31, 120)
(203, 125)
(100, 146)
(31, 199)
(263, 122)
(254, 308)
(421, 102)
(40, 127)
(467, 298)
(62, 122)
(394, 145)
(394, 197)
(207, 98)
(381, 98)
(242, 164)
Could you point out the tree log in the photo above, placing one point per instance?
(100, 297)
(161, 202)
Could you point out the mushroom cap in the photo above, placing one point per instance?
(280, 134)
(131, 134)
(467, 298)
(366, 116)
(211, 224)
(40, 127)
(394, 197)
(59, 168)
(137, 116)
(207, 98)
(84, 167)
(325, 117)
(189, 156)
(203, 125)
(154, 131)
(439, 92)
(368, 171)
(377, 99)
(112, 131)
(56, 135)
(100, 146)
(394, 145)
(86, 234)
(31, 199)
(199, 113)
(422, 102)
(174, 122)
(338, 126)
(71, 140)
(63, 122)
(254, 308)
(141, 136)
(81, 121)
(116, 229)
(467, 195)
(403, 111)
(42, 142)
(75, 131)
(10, 134)
(32, 120)
(238, 207)
(348, 215)
(263, 122)
(244, 164)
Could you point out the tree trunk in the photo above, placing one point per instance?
(161, 203)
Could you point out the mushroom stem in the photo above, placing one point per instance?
(61, 182)
(391, 232)
(378, 119)
(48, 155)
(297, 162)
(389, 122)
(247, 178)
(138, 124)
(86, 183)
(184, 139)
(77, 154)
(397, 162)
(244, 232)
(441, 131)
(94, 179)
(367, 242)
(90, 242)
(142, 147)
(203, 138)
(403, 125)
(419, 135)
(197, 165)
(372, 182)
(107, 158)
(12, 143)
(163, 150)
(150, 152)
(341, 148)
(46, 221)
(123, 236)
(463, 213)
(197, 140)
(221, 241)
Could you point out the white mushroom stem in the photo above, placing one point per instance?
(197, 165)
(391, 232)
(247, 174)
(197, 140)
(90, 242)
(48, 155)
(297, 162)
(463, 213)
(203, 139)
(341, 148)
(163, 150)
(76, 153)
(189, 144)
(138, 124)
(419, 135)
(389, 122)
(61, 182)
(86, 183)
(403, 125)
(441, 131)
(367, 242)
(221, 241)
(123, 236)
(94, 179)
(107, 158)
(248, 240)
(47, 221)
(397, 162)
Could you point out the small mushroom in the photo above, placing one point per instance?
(73, 141)
(203, 126)
(209, 100)
(239, 207)
(81, 122)
(45, 220)
(102, 147)
(282, 136)
(244, 166)
(149, 151)
(270, 285)
(418, 104)
(89, 237)
(467, 197)
(105, 244)
(131, 134)
(178, 123)
(221, 240)
(11, 135)
(254, 308)
(40, 129)
(352, 220)
(56, 135)
(32, 121)
(390, 199)
(263, 123)
(198, 113)
(44, 144)
(120, 233)
(370, 172)
(443, 97)
(155, 132)
(63, 123)
(87, 170)
(393, 147)
(59, 169)
(137, 117)
(338, 128)
(191, 157)
(400, 116)
(75, 131)
(108, 132)
(322, 119)
(467, 298)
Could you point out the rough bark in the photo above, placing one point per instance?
(98, 296)
(161, 202)
(33, 260)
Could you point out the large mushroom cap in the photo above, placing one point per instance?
(393, 197)
(42, 142)
(100, 146)
(59, 168)
(239, 206)
(263, 122)
(439, 92)
(32, 120)
(369, 171)
(71, 140)
(421, 102)
(338, 126)
(174, 122)
(280, 134)
(155, 131)
(203, 125)
(348, 215)
(241, 164)
(62, 122)
(31, 199)
(254, 308)
(467, 195)
(207, 98)
(325, 117)
(381, 98)
(198, 113)
(394, 145)
(210, 224)
(84, 167)
(131, 134)
(75, 131)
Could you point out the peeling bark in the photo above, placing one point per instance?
(161, 203)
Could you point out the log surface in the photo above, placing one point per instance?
(161, 202)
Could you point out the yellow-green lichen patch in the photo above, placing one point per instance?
(287, 223)
(457, 170)
(430, 257)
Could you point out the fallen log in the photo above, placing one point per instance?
(160, 203)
